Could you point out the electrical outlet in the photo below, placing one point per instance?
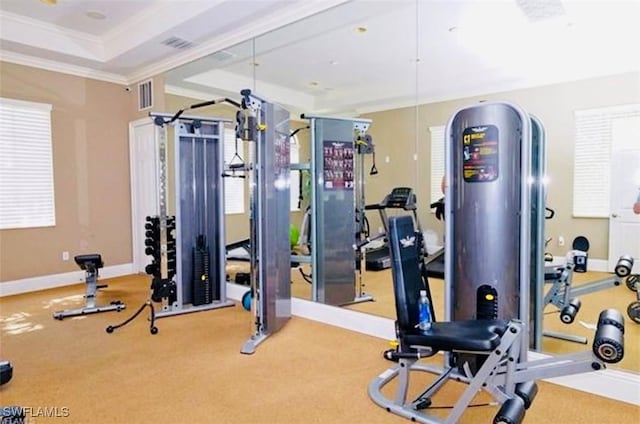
(560, 241)
(65, 256)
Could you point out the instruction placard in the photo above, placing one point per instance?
(338, 165)
(480, 154)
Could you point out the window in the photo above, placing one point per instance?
(437, 162)
(233, 187)
(26, 165)
(593, 143)
(294, 153)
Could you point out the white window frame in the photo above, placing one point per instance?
(592, 158)
(27, 198)
(437, 162)
(234, 188)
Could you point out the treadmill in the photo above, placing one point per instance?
(401, 198)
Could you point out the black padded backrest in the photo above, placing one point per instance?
(405, 267)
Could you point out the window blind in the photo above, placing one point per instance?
(592, 158)
(26, 165)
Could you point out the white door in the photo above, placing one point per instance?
(143, 157)
(624, 224)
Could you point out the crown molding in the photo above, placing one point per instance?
(50, 37)
(64, 68)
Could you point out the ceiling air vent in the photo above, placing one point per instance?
(145, 95)
(177, 43)
(539, 10)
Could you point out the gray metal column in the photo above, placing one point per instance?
(333, 227)
(538, 204)
(270, 218)
(488, 213)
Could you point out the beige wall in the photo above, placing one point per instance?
(91, 173)
(553, 104)
(91, 161)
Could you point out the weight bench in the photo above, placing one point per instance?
(497, 345)
(90, 263)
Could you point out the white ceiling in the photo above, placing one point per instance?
(321, 63)
(127, 45)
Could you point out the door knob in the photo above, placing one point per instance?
(614, 215)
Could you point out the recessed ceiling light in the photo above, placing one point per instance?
(96, 15)
(313, 83)
(49, 2)
(333, 62)
(361, 29)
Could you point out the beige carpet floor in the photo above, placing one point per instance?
(192, 371)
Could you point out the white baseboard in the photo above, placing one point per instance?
(44, 282)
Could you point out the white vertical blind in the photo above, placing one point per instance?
(295, 175)
(437, 161)
(592, 158)
(233, 187)
(26, 165)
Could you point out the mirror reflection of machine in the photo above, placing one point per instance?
(400, 198)
(335, 227)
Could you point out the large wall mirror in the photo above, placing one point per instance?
(408, 66)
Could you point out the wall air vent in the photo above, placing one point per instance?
(145, 95)
(177, 43)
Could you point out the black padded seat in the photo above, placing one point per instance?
(91, 261)
(468, 335)
(552, 273)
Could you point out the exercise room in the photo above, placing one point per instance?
(338, 211)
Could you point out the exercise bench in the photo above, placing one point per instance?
(498, 349)
(90, 263)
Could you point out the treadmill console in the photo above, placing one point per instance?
(401, 198)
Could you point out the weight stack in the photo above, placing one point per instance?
(201, 286)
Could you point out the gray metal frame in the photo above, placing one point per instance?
(498, 376)
(199, 206)
(90, 307)
(333, 220)
(269, 218)
(562, 291)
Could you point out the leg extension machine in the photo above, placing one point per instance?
(503, 372)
